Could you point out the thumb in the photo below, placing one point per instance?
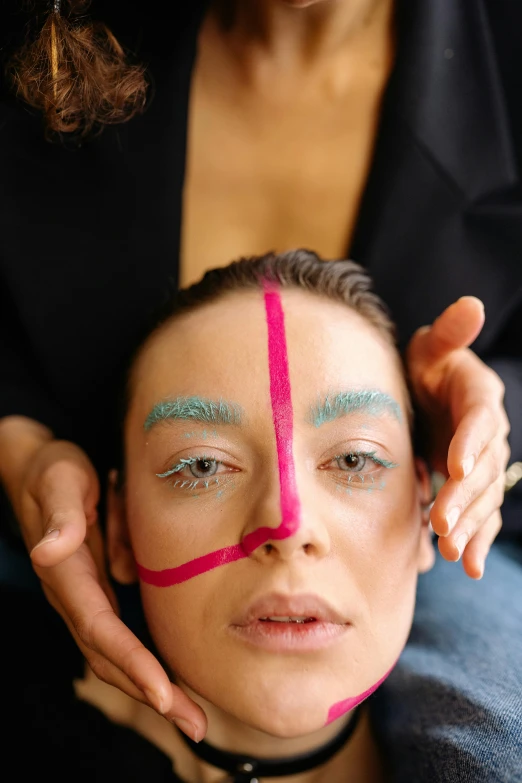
(64, 500)
(457, 327)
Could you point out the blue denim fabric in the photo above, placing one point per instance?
(452, 708)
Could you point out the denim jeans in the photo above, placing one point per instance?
(452, 708)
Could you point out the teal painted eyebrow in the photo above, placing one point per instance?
(194, 409)
(371, 401)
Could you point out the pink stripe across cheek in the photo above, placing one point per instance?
(282, 414)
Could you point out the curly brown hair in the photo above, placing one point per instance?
(77, 73)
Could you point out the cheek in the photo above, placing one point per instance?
(381, 551)
(167, 530)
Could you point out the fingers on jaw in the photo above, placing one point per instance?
(485, 485)
(476, 552)
(475, 432)
(471, 541)
(471, 522)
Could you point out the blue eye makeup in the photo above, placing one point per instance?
(199, 467)
(198, 472)
(358, 467)
(356, 461)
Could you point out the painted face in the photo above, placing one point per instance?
(273, 506)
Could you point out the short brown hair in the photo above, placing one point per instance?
(339, 280)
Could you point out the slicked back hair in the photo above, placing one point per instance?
(340, 281)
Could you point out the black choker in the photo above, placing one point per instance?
(248, 769)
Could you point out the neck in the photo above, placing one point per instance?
(293, 30)
(358, 754)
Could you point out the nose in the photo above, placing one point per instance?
(282, 532)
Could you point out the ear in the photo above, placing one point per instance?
(121, 557)
(426, 553)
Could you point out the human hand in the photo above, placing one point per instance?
(56, 507)
(462, 400)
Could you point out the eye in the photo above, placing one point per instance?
(351, 462)
(203, 468)
(357, 467)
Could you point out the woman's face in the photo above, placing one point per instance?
(273, 506)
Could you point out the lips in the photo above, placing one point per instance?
(294, 624)
(298, 609)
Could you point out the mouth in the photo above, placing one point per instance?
(300, 623)
(287, 619)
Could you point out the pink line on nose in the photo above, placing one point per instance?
(282, 414)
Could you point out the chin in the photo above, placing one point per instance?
(287, 724)
(302, 3)
(285, 708)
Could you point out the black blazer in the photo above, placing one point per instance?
(89, 236)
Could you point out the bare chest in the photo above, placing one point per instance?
(266, 174)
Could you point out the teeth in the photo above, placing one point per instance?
(286, 619)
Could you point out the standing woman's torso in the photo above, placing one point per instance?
(396, 149)
(280, 140)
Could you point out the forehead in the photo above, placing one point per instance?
(221, 350)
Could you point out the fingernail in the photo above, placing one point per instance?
(52, 535)
(187, 728)
(467, 465)
(452, 517)
(461, 542)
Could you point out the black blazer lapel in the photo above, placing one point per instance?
(439, 218)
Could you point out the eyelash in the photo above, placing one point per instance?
(202, 483)
(358, 474)
(196, 483)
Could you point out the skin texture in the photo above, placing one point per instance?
(296, 93)
(359, 545)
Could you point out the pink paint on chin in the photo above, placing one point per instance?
(282, 413)
(342, 707)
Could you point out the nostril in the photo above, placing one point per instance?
(268, 548)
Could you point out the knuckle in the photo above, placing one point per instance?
(101, 668)
(53, 472)
(131, 654)
(82, 627)
(468, 524)
(85, 626)
(501, 387)
(499, 492)
(507, 452)
(492, 468)
(55, 519)
(470, 492)
(496, 382)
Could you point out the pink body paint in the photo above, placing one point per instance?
(342, 707)
(282, 413)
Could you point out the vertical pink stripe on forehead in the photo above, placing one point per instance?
(282, 414)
